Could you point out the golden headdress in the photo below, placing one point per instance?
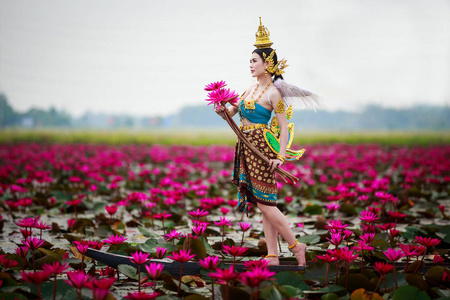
(262, 37)
(263, 41)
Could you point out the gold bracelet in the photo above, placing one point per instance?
(281, 158)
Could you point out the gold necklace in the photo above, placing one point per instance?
(250, 104)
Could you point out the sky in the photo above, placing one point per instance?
(149, 58)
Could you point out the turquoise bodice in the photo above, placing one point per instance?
(259, 115)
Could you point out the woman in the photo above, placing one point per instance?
(255, 178)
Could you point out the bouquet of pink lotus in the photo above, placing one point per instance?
(219, 95)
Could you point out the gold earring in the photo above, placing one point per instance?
(265, 73)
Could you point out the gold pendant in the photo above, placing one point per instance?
(249, 104)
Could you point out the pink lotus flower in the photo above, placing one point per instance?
(215, 86)
(36, 277)
(368, 217)
(336, 225)
(332, 207)
(363, 246)
(140, 258)
(393, 255)
(346, 254)
(22, 251)
(108, 271)
(198, 213)
(234, 251)
(115, 239)
(396, 215)
(223, 95)
(142, 296)
(427, 242)
(412, 250)
(55, 268)
(367, 237)
(77, 279)
(385, 226)
(96, 245)
(27, 222)
(225, 275)
(42, 226)
(163, 215)
(182, 256)
(383, 268)
(210, 262)
(33, 243)
(99, 293)
(112, 209)
(154, 270)
(7, 263)
(336, 239)
(160, 252)
(328, 257)
(223, 222)
(438, 259)
(173, 234)
(255, 276)
(245, 226)
(251, 264)
(199, 230)
(81, 247)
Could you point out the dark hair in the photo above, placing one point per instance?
(267, 52)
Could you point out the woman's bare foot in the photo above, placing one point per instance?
(299, 251)
(272, 260)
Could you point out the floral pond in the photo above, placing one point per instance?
(375, 220)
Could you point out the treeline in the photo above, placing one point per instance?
(373, 117)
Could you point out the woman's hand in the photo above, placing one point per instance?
(221, 111)
(274, 163)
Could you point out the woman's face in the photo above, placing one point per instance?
(257, 66)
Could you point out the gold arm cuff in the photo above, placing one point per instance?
(281, 158)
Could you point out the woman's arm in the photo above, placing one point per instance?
(282, 123)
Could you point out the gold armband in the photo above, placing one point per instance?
(280, 107)
(281, 158)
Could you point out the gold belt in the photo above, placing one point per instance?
(256, 126)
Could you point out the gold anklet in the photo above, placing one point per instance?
(271, 255)
(295, 244)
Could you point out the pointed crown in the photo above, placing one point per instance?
(262, 37)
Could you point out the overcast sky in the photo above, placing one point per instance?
(154, 57)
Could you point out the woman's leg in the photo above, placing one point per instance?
(271, 235)
(280, 224)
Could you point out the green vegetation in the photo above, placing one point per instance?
(214, 137)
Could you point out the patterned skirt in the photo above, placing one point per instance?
(256, 183)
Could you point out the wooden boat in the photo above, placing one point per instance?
(173, 267)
